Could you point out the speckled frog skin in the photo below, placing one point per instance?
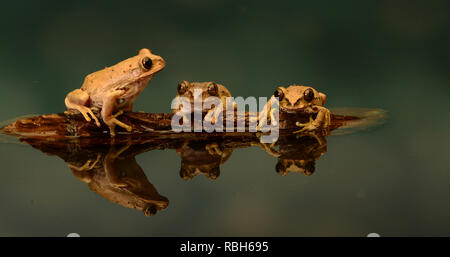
(188, 90)
(114, 89)
(305, 99)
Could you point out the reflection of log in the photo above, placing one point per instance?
(72, 125)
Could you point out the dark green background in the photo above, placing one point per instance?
(393, 55)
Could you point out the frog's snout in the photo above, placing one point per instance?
(159, 62)
(163, 62)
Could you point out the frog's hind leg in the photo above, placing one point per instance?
(77, 100)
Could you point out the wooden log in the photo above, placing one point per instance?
(71, 125)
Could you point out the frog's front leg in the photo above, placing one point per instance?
(84, 172)
(267, 112)
(268, 148)
(322, 120)
(88, 165)
(107, 112)
(213, 149)
(78, 100)
(111, 170)
(213, 114)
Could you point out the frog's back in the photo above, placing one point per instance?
(224, 90)
(106, 78)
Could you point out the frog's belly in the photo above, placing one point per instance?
(118, 104)
(96, 103)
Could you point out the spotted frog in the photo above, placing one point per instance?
(114, 89)
(297, 98)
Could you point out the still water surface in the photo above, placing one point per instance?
(393, 179)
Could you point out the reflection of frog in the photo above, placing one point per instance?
(296, 153)
(115, 88)
(200, 157)
(120, 179)
(284, 166)
(299, 99)
(194, 90)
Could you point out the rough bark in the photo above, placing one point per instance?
(146, 126)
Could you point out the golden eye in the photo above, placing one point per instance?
(182, 87)
(212, 89)
(147, 63)
(279, 93)
(308, 95)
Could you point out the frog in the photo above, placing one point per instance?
(285, 166)
(114, 89)
(299, 98)
(116, 175)
(296, 152)
(202, 157)
(194, 90)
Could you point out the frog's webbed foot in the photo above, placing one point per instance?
(273, 119)
(88, 165)
(213, 115)
(270, 148)
(209, 117)
(320, 138)
(113, 121)
(213, 149)
(322, 121)
(87, 114)
(308, 126)
(107, 112)
(85, 111)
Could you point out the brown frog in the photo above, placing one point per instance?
(194, 90)
(297, 98)
(296, 153)
(114, 89)
(116, 176)
(202, 157)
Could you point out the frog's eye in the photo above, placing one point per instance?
(308, 95)
(182, 87)
(278, 93)
(212, 89)
(147, 63)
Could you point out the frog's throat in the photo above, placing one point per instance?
(293, 109)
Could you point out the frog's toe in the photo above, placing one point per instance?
(96, 121)
(121, 124)
(209, 117)
(87, 114)
(213, 149)
(273, 119)
(308, 126)
(113, 121)
(118, 114)
(88, 165)
(319, 138)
